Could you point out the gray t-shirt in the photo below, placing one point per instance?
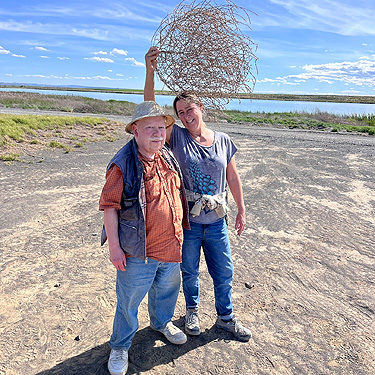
(203, 167)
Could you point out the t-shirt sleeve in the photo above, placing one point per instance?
(230, 146)
(112, 190)
(175, 136)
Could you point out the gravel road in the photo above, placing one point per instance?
(304, 266)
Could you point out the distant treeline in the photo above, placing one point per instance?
(283, 97)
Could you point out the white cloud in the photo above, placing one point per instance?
(55, 29)
(340, 17)
(351, 91)
(41, 49)
(360, 73)
(45, 57)
(68, 77)
(91, 33)
(3, 51)
(63, 58)
(103, 78)
(100, 59)
(116, 52)
(22, 56)
(134, 61)
(40, 76)
(119, 11)
(99, 53)
(113, 32)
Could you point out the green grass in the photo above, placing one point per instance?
(65, 103)
(17, 127)
(317, 121)
(54, 144)
(30, 133)
(9, 157)
(369, 99)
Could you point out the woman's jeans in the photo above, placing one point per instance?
(214, 240)
(161, 281)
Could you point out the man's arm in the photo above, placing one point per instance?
(151, 65)
(116, 255)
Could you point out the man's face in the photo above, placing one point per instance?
(149, 134)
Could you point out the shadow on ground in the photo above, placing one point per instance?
(144, 354)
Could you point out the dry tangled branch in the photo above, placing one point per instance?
(205, 52)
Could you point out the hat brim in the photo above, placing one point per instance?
(169, 120)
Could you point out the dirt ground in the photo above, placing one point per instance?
(304, 266)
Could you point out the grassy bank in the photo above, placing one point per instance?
(33, 131)
(366, 99)
(28, 134)
(317, 121)
(65, 103)
(81, 104)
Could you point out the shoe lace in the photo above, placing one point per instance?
(119, 355)
(238, 327)
(192, 317)
(171, 328)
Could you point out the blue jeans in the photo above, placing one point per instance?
(161, 281)
(214, 240)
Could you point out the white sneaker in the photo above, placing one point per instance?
(173, 334)
(234, 326)
(192, 322)
(118, 362)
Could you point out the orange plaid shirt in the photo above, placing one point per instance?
(164, 211)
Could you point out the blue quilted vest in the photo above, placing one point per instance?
(132, 227)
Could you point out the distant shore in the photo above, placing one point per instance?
(283, 97)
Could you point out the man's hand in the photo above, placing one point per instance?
(117, 257)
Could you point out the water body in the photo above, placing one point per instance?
(246, 105)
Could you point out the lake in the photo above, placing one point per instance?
(247, 105)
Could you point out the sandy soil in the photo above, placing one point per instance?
(304, 267)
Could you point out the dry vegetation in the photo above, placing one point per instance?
(65, 103)
(26, 135)
(204, 50)
(317, 121)
(20, 135)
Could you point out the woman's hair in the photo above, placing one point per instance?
(191, 98)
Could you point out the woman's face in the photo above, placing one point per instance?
(189, 113)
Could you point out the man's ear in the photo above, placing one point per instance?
(134, 128)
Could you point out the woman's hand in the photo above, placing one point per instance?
(151, 58)
(240, 223)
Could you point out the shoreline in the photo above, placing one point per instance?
(363, 99)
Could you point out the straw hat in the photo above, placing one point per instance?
(146, 110)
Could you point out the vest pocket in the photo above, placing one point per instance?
(131, 228)
(129, 210)
(130, 238)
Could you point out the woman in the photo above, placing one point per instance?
(206, 158)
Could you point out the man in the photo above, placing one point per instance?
(144, 206)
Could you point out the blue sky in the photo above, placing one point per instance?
(304, 46)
